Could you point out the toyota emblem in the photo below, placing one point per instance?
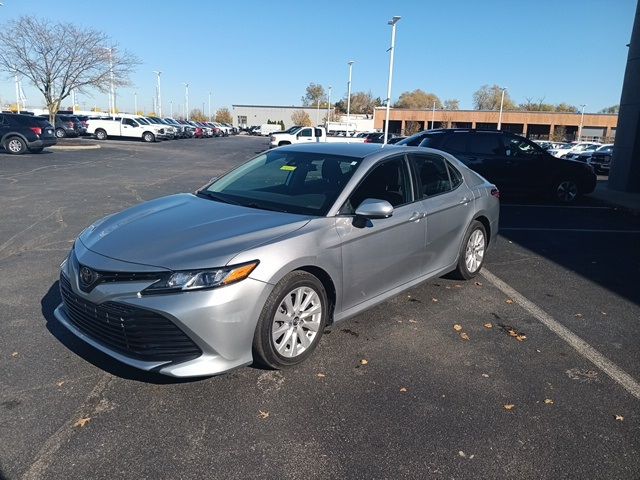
(87, 276)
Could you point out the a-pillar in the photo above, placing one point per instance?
(625, 167)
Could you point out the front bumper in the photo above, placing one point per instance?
(221, 322)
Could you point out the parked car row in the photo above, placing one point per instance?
(151, 129)
(25, 133)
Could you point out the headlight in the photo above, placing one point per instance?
(201, 279)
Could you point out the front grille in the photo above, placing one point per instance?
(135, 332)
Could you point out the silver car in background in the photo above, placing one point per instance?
(256, 264)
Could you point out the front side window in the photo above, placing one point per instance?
(520, 147)
(306, 133)
(292, 182)
(432, 173)
(388, 181)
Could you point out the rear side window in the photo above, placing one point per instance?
(455, 175)
(432, 173)
(484, 144)
(455, 142)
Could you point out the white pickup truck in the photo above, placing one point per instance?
(133, 127)
(307, 135)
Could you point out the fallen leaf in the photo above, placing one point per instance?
(619, 418)
(485, 375)
(509, 406)
(521, 338)
(60, 383)
(262, 414)
(603, 313)
(488, 325)
(413, 321)
(457, 327)
(479, 284)
(510, 241)
(508, 300)
(448, 287)
(512, 333)
(82, 422)
(434, 300)
(462, 454)
(364, 362)
(458, 286)
(548, 401)
(14, 354)
(321, 375)
(403, 389)
(578, 315)
(464, 336)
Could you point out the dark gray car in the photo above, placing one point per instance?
(253, 266)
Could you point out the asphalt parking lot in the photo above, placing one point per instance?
(396, 392)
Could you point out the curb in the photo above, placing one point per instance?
(74, 147)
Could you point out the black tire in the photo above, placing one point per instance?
(148, 137)
(264, 350)
(15, 145)
(101, 134)
(565, 190)
(462, 271)
(36, 149)
(61, 133)
(284, 143)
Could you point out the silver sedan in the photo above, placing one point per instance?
(254, 266)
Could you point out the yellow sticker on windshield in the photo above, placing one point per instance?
(288, 168)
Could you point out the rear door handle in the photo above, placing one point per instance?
(464, 201)
(416, 216)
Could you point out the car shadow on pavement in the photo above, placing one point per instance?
(49, 303)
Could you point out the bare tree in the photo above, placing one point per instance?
(60, 57)
(313, 94)
(223, 115)
(488, 97)
(418, 99)
(300, 117)
(452, 104)
(197, 115)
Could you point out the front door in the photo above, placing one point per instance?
(306, 135)
(383, 253)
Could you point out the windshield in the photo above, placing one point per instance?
(420, 140)
(293, 182)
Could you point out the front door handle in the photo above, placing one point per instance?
(417, 216)
(464, 201)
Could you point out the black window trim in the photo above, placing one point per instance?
(419, 180)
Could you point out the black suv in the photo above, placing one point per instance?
(513, 163)
(67, 125)
(21, 133)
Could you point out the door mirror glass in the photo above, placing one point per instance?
(373, 208)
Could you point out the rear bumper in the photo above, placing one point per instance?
(42, 142)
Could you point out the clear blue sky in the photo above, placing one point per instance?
(267, 52)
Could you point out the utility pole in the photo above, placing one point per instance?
(433, 116)
(171, 107)
(159, 112)
(18, 92)
(210, 119)
(350, 63)
(135, 103)
(318, 114)
(581, 123)
(186, 100)
(393, 23)
(329, 105)
(501, 104)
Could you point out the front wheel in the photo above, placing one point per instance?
(61, 133)
(292, 321)
(15, 146)
(566, 190)
(471, 257)
(149, 137)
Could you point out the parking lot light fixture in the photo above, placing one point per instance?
(350, 63)
(112, 94)
(433, 116)
(328, 106)
(581, 122)
(210, 119)
(159, 101)
(135, 103)
(393, 23)
(186, 100)
(501, 105)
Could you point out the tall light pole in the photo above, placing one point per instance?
(171, 108)
(186, 100)
(329, 104)
(157, 72)
(17, 92)
(135, 103)
(581, 122)
(393, 23)
(112, 93)
(73, 100)
(350, 63)
(433, 116)
(318, 113)
(501, 105)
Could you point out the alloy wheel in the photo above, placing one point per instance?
(567, 191)
(474, 253)
(14, 145)
(296, 322)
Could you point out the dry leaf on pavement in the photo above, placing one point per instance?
(403, 389)
(457, 327)
(485, 375)
(464, 336)
(548, 401)
(508, 406)
(364, 362)
(434, 300)
(14, 354)
(60, 383)
(321, 375)
(619, 418)
(82, 422)
(578, 315)
(508, 300)
(262, 414)
(488, 325)
(478, 284)
(521, 338)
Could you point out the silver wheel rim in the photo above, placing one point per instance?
(567, 191)
(296, 322)
(474, 253)
(101, 135)
(15, 145)
(147, 137)
(60, 133)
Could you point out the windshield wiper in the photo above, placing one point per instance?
(213, 196)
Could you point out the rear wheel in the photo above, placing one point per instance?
(15, 145)
(101, 134)
(471, 257)
(148, 137)
(61, 133)
(292, 321)
(566, 190)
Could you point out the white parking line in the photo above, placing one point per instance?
(582, 347)
(586, 207)
(580, 230)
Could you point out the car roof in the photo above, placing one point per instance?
(358, 150)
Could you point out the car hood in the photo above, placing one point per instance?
(186, 232)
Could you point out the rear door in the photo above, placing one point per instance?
(448, 204)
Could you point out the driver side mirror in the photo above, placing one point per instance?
(372, 208)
